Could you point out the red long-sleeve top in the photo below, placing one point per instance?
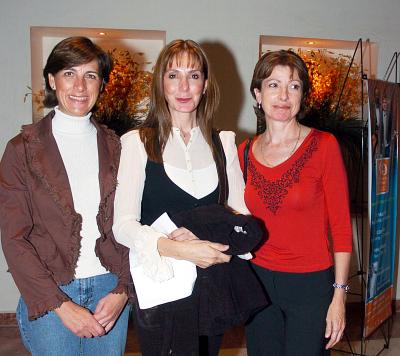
(300, 201)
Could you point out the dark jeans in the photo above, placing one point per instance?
(294, 324)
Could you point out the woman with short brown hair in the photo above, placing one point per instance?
(57, 184)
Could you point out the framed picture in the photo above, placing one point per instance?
(147, 43)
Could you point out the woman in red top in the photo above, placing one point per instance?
(296, 184)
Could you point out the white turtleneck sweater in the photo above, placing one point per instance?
(76, 139)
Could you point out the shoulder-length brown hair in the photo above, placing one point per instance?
(155, 130)
(263, 70)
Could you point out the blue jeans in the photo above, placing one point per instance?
(47, 335)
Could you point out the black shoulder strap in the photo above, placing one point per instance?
(246, 158)
(220, 162)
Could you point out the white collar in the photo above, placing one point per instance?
(68, 124)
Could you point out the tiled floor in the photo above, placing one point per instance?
(234, 341)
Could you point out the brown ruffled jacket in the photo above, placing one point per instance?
(40, 230)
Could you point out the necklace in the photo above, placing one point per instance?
(290, 153)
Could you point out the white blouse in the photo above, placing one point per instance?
(191, 167)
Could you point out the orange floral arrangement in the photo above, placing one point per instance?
(125, 99)
(327, 74)
(37, 98)
(128, 89)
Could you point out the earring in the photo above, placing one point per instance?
(259, 106)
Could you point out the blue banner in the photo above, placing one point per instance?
(383, 165)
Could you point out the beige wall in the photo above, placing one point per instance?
(229, 29)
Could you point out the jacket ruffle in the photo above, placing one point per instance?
(36, 310)
(31, 137)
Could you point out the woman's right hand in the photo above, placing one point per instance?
(79, 320)
(202, 253)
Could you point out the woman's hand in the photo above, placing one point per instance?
(202, 253)
(108, 309)
(182, 234)
(336, 318)
(205, 253)
(79, 320)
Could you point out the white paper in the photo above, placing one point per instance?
(151, 293)
(164, 224)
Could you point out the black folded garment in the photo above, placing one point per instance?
(217, 223)
(229, 293)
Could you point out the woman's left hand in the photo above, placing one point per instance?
(109, 308)
(335, 319)
(182, 234)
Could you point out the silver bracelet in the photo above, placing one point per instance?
(346, 287)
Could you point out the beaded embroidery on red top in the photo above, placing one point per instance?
(272, 192)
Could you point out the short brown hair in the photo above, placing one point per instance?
(266, 65)
(70, 52)
(155, 130)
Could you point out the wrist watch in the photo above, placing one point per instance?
(346, 287)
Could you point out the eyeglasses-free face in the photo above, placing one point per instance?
(77, 88)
